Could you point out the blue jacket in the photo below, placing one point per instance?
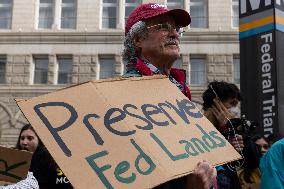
(272, 167)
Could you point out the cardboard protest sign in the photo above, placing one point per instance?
(14, 165)
(125, 133)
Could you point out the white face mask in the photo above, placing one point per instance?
(235, 110)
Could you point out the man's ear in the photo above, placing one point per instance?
(138, 41)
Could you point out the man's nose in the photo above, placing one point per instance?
(174, 33)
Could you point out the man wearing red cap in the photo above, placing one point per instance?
(152, 36)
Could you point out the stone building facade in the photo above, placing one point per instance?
(46, 45)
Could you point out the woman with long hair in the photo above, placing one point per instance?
(256, 147)
(29, 141)
(44, 173)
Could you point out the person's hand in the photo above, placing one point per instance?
(221, 113)
(203, 177)
(237, 142)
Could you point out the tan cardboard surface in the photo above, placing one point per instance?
(14, 165)
(134, 133)
(3, 183)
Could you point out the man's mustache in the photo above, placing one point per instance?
(172, 41)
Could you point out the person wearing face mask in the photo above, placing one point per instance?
(220, 106)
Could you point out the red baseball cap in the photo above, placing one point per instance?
(150, 10)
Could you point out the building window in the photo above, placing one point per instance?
(3, 62)
(197, 70)
(130, 5)
(236, 65)
(46, 12)
(68, 14)
(110, 12)
(198, 10)
(40, 69)
(175, 4)
(64, 69)
(106, 66)
(235, 13)
(5, 14)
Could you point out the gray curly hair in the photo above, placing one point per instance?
(131, 52)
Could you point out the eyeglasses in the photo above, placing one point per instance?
(168, 27)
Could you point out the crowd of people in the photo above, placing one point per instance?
(152, 37)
